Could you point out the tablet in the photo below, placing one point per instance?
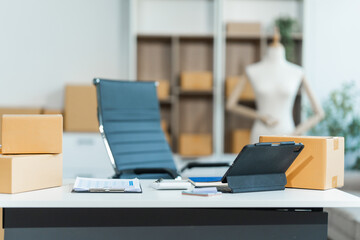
(264, 158)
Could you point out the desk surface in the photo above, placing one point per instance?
(61, 197)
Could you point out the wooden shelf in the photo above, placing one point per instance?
(166, 56)
(166, 101)
(195, 92)
(295, 36)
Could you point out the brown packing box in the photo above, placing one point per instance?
(247, 93)
(164, 127)
(163, 89)
(22, 173)
(52, 111)
(17, 111)
(80, 109)
(195, 144)
(196, 81)
(240, 138)
(320, 165)
(243, 28)
(31, 134)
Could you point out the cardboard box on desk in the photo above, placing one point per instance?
(320, 165)
(22, 173)
(24, 134)
(201, 81)
(195, 145)
(80, 109)
(17, 111)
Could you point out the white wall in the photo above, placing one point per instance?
(175, 16)
(46, 44)
(332, 49)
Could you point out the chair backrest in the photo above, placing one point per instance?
(129, 119)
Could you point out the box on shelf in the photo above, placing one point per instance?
(240, 138)
(17, 111)
(164, 127)
(243, 28)
(247, 93)
(37, 133)
(196, 81)
(320, 165)
(163, 89)
(80, 109)
(195, 144)
(22, 173)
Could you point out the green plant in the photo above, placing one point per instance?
(342, 119)
(286, 27)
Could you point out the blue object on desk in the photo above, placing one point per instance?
(205, 179)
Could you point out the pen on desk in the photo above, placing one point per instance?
(101, 190)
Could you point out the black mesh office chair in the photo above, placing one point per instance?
(129, 122)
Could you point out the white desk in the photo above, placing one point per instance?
(62, 197)
(288, 213)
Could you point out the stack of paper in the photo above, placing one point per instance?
(106, 185)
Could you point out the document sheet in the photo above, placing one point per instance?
(106, 185)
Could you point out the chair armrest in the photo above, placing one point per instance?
(169, 171)
(194, 164)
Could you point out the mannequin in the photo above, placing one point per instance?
(275, 83)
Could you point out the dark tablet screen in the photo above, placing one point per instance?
(264, 158)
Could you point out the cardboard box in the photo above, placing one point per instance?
(243, 28)
(24, 134)
(163, 89)
(52, 111)
(196, 81)
(320, 165)
(164, 127)
(195, 144)
(81, 109)
(248, 92)
(17, 111)
(240, 138)
(22, 173)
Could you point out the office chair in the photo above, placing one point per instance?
(129, 122)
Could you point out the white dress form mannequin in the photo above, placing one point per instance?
(276, 83)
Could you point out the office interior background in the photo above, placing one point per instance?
(50, 48)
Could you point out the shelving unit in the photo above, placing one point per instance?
(165, 57)
(164, 54)
(243, 50)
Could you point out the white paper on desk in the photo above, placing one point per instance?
(85, 184)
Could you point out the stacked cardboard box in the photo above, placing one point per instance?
(320, 165)
(31, 156)
(17, 111)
